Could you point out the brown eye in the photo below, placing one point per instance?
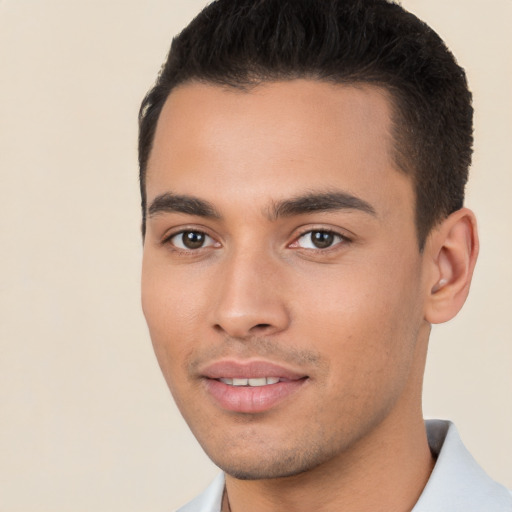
(322, 239)
(319, 239)
(190, 240)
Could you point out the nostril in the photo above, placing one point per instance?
(241, 332)
(260, 327)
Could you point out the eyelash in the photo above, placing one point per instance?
(168, 240)
(342, 239)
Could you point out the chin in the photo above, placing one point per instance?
(268, 471)
(264, 466)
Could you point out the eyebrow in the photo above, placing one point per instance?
(173, 203)
(320, 202)
(308, 203)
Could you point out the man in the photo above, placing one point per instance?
(303, 166)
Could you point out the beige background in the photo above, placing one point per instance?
(86, 422)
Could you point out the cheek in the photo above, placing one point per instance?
(170, 296)
(365, 318)
(171, 315)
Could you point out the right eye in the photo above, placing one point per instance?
(190, 240)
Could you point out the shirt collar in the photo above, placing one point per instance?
(458, 483)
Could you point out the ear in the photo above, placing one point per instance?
(451, 253)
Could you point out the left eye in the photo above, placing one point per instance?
(190, 240)
(318, 240)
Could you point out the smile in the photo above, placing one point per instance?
(252, 386)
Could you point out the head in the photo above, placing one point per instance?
(302, 170)
(242, 44)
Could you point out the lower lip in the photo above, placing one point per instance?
(250, 399)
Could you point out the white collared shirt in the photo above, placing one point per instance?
(457, 483)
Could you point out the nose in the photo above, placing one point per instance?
(250, 296)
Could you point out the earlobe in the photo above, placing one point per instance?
(452, 252)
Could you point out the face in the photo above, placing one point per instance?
(282, 281)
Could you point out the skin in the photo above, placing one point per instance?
(353, 317)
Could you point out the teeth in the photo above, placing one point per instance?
(262, 381)
(258, 382)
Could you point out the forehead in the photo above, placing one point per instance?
(275, 139)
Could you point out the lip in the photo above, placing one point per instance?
(246, 399)
(232, 369)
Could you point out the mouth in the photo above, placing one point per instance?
(255, 382)
(251, 387)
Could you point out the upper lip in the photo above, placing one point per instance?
(232, 369)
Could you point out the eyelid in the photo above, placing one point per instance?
(345, 239)
(169, 235)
